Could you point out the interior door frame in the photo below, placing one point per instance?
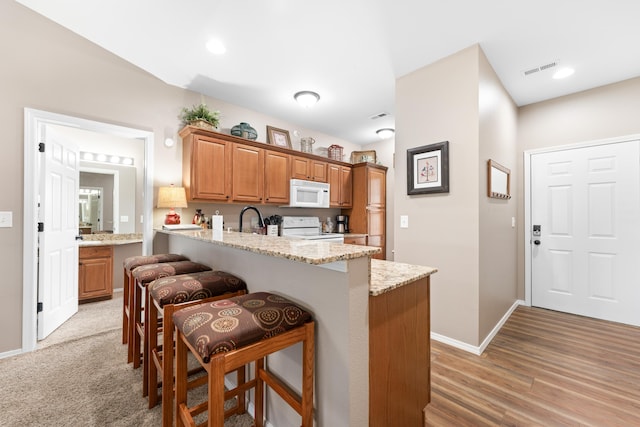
(34, 120)
(527, 197)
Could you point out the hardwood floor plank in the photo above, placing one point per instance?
(543, 368)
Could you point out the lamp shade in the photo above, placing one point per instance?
(172, 197)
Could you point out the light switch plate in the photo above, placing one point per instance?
(6, 219)
(404, 221)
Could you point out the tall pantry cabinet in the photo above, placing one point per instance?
(368, 214)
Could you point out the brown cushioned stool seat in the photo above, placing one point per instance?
(228, 334)
(142, 276)
(127, 301)
(167, 295)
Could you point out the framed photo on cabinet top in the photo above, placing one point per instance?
(279, 137)
(428, 169)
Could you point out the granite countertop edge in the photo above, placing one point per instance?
(389, 275)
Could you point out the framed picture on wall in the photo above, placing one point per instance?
(428, 169)
(279, 137)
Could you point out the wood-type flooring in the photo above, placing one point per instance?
(543, 368)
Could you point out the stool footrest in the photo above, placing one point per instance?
(284, 391)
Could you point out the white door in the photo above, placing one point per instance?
(586, 258)
(57, 247)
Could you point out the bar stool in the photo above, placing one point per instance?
(166, 296)
(142, 276)
(127, 302)
(228, 334)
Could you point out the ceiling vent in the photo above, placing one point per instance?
(379, 116)
(544, 67)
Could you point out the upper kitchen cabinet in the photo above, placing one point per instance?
(309, 169)
(206, 166)
(341, 191)
(247, 183)
(368, 215)
(276, 181)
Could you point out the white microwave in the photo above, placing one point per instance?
(308, 194)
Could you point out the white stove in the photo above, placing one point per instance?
(307, 228)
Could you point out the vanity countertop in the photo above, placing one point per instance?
(89, 240)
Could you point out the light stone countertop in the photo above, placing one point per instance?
(307, 251)
(389, 275)
(385, 275)
(90, 240)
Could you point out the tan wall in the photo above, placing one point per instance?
(498, 240)
(433, 104)
(47, 67)
(605, 112)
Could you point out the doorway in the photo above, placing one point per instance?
(582, 225)
(36, 123)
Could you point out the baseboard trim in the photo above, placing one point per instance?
(10, 353)
(477, 350)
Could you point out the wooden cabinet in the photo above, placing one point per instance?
(247, 182)
(340, 181)
(95, 273)
(368, 214)
(206, 166)
(276, 177)
(309, 169)
(355, 240)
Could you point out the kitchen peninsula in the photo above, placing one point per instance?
(366, 372)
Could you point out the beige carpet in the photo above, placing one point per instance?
(80, 379)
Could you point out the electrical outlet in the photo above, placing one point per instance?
(6, 219)
(404, 221)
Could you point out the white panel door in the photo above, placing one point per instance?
(586, 258)
(57, 247)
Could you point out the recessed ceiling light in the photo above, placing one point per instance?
(563, 72)
(216, 47)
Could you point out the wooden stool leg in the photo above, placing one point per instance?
(259, 405)
(308, 352)
(167, 365)
(137, 318)
(145, 344)
(153, 352)
(216, 391)
(125, 308)
(181, 380)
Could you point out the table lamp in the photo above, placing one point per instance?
(172, 197)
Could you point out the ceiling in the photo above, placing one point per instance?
(351, 52)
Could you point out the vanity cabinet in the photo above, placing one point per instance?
(341, 191)
(309, 169)
(368, 214)
(95, 273)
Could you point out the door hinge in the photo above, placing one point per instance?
(40, 227)
(39, 308)
(41, 147)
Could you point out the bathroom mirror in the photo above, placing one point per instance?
(498, 181)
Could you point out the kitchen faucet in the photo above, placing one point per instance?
(253, 208)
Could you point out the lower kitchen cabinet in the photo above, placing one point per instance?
(95, 273)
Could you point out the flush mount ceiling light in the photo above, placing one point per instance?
(563, 72)
(216, 47)
(385, 133)
(306, 98)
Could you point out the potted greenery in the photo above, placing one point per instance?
(200, 115)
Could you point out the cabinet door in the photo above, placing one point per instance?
(346, 187)
(376, 224)
(95, 273)
(318, 170)
(210, 162)
(340, 181)
(247, 173)
(376, 179)
(299, 168)
(276, 167)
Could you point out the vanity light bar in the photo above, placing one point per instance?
(106, 158)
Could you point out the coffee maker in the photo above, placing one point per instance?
(342, 222)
